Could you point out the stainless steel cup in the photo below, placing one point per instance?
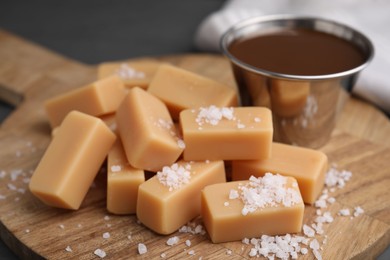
(304, 108)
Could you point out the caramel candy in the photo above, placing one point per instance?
(180, 89)
(99, 98)
(122, 182)
(172, 197)
(307, 166)
(71, 161)
(133, 74)
(289, 97)
(236, 210)
(214, 133)
(147, 131)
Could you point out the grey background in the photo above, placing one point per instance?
(93, 31)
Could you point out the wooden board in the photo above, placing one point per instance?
(30, 74)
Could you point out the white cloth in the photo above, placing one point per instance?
(371, 17)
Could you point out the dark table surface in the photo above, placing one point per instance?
(100, 30)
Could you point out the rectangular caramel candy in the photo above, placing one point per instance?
(180, 89)
(133, 73)
(147, 131)
(170, 199)
(306, 165)
(228, 215)
(96, 99)
(71, 161)
(240, 133)
(122, 182)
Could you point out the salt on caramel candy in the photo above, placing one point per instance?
(147, 131)
(271, 205)
(136, 73)
(98, 98)
(306, 165)
(123, 181)
(71, 161)
(214, 133)
(180, 89)
(170, 199)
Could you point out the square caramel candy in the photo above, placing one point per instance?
(180, 89)
(96, 99)
(123, 181)
(171, 198)
(214, 133)
(148, 134)
(271, 205)
(71, 161)
(136, 73)
(306, 165)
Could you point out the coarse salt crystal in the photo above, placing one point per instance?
(163, 255)
(142, 249)
(308, 231)
(344, 212)
(2, 174)
(174, 176)
(106, 235)
(335, 178)
(127, 72)
(100, 253)
(116, 168)
(229, 252)
(358, 211)
(2, 197)
(213, 115)
(226, 203)
(106, 218)
(181, 144)
(173, 241)
(11, 186)
(304, 251)
(188, 242)
(68, 249)
(27, 231)
(61, 226)
(233, 194)
(269, 190)
(191, 252)
(257, 119)
(245, 241)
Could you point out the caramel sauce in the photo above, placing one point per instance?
(298, 52)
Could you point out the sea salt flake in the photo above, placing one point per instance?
(308, 231)
(358, 211)
(142, 249)
(344, 212)
(181, 144)
(100, 253)
(173, 241)
(116, 168)
(233, 194)
(174, 176)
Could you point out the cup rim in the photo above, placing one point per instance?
(224, 44)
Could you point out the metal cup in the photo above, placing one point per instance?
(304, 108)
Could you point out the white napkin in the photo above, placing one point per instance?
(371, 17)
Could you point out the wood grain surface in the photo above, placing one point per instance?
(29, 74)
